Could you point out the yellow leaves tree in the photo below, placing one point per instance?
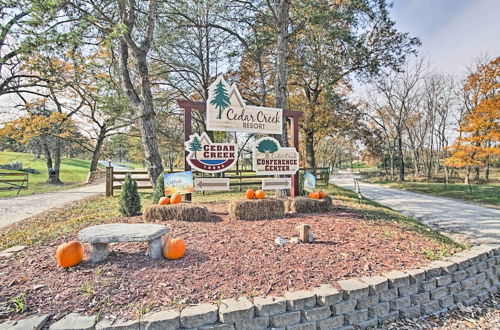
(478, 143)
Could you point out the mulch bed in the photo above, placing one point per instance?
(225, 258)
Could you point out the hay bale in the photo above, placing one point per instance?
(256, 209)
(182, 212)
(308, 205)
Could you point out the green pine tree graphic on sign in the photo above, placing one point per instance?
(221, 99)
(195, 146)
(267, 146)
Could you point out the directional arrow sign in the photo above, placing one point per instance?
(276, 183)
(211, 184)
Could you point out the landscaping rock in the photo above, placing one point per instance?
(256, 323)
(256, 209)
(285, 319)
(121, 232)
(299, 300)
(354, 288)
(326, 295)
(191, 212)
(199, 315)
(280, 241)
(267, 306)
(117, 325)
(164, 320)
(35, 322)
(99, 236)
(15, 249)
(74, 321)
(235, 310)
(330, 323)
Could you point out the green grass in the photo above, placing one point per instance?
(481, 193)
(73, 173)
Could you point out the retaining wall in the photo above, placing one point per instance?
(467, 277)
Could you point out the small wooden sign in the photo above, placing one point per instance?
(211, 184)
(276, 183)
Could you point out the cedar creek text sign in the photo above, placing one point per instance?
(208, 157)
(227, 111)
(269, 158)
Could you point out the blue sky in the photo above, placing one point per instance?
(453, 32)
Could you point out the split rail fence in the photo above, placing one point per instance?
(238, 178)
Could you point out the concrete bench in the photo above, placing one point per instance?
(101, 235)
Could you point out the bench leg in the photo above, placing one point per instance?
(155, 248)
(98, 252)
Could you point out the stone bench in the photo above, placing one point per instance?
(101, 235)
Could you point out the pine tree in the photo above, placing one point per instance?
(159, 191)
(130, 202)
(221, 100)
(195, 146)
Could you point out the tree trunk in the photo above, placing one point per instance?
(467, 176)
(48, 157)
(310, 156)
(54, 172)
(96, 153)
(282, 12)
(401, 160)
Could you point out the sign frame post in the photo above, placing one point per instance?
(189, 106)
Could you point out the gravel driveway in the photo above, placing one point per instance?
(14, 209)
(466, 222)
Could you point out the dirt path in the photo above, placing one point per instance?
(466, 222)
(14, 209)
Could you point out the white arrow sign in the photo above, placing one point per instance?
(211, 184)
(276, 183)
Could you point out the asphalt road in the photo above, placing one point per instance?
(15, 209)
(464, 221)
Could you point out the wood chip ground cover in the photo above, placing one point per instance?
(225, 258)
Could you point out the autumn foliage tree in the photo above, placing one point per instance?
(43, 126)
(478, 143)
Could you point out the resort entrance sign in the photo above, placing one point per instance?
(227, 111)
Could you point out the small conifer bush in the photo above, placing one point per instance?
(159, 191)
(130, 202)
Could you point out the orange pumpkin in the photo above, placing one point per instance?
(175, 199)
(174, 248)
(314, 195)
(164, 201)
(311, 194)
(69, 254)
(250, 194)
(322, 194)
(260, 194)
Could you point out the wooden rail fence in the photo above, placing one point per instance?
(114, 179)
(10, 181)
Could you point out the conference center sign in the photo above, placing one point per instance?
(227, 111)
(269, 158)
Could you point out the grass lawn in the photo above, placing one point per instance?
(73, 173)
(481, 193)
(99, 209)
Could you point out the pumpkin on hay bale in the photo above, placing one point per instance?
(256, 209)
(182, 211)
(308, 205)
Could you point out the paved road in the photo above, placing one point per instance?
(464, 221)
(14, 209)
